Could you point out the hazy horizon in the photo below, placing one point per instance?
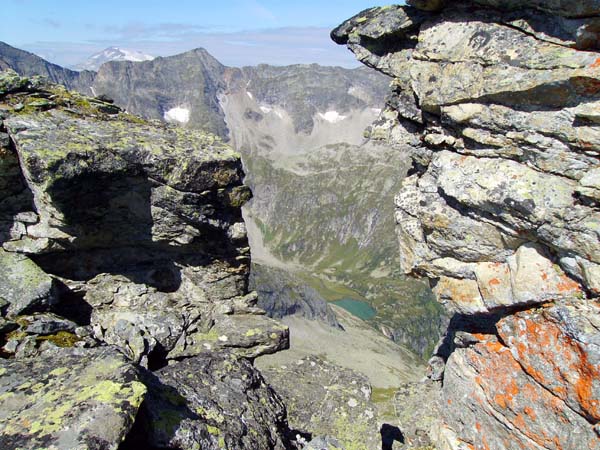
(236, 32)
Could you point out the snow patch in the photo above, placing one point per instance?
(134, 55)
(376, 110)
(177, 114)
(249, 94)
(113, 54)
(269, 109)
(332, 116)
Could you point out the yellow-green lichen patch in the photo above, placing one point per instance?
(253, 332)
(61, 339)
(58, 371)
(16, 335)
(239, 196)
(351, 433)
(213, 430)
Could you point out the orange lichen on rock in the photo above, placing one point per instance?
(514, 392)
(595, 64)
(566, 284)
(553, 359)
(494, 282)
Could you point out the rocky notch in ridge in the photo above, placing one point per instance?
(497, 102)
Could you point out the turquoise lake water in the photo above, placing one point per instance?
(359, 308)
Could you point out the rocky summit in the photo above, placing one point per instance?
(126, 316)
(497, 104)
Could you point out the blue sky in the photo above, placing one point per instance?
(237, 32)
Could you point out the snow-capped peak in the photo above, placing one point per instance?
(113, 54)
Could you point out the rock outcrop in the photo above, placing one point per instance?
(496, 102)
(123, 247)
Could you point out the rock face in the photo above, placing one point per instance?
(496, 103)
(181, 88)
(69, 398)
(122, 237)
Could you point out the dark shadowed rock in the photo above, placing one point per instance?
(281, 294)
(213, 402)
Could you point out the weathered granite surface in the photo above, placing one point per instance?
(324, 399)
(496, 102)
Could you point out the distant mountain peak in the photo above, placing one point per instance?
(113, 54)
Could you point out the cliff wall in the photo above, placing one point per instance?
(497, 102)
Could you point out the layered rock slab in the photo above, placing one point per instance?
(495, 103)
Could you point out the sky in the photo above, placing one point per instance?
(237, 32)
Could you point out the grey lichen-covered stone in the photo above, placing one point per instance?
(69, 399)
(136, 171)
(324, 443)
(246, 335)
(140, 224)
(324, 399)
(23, 286)
(213, 402)
(501, 208)
(203, 315)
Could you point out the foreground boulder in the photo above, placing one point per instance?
(25, 287)
(68, 399)
(496, 102)
(213, 403)
(345, 408)
(139, 221)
